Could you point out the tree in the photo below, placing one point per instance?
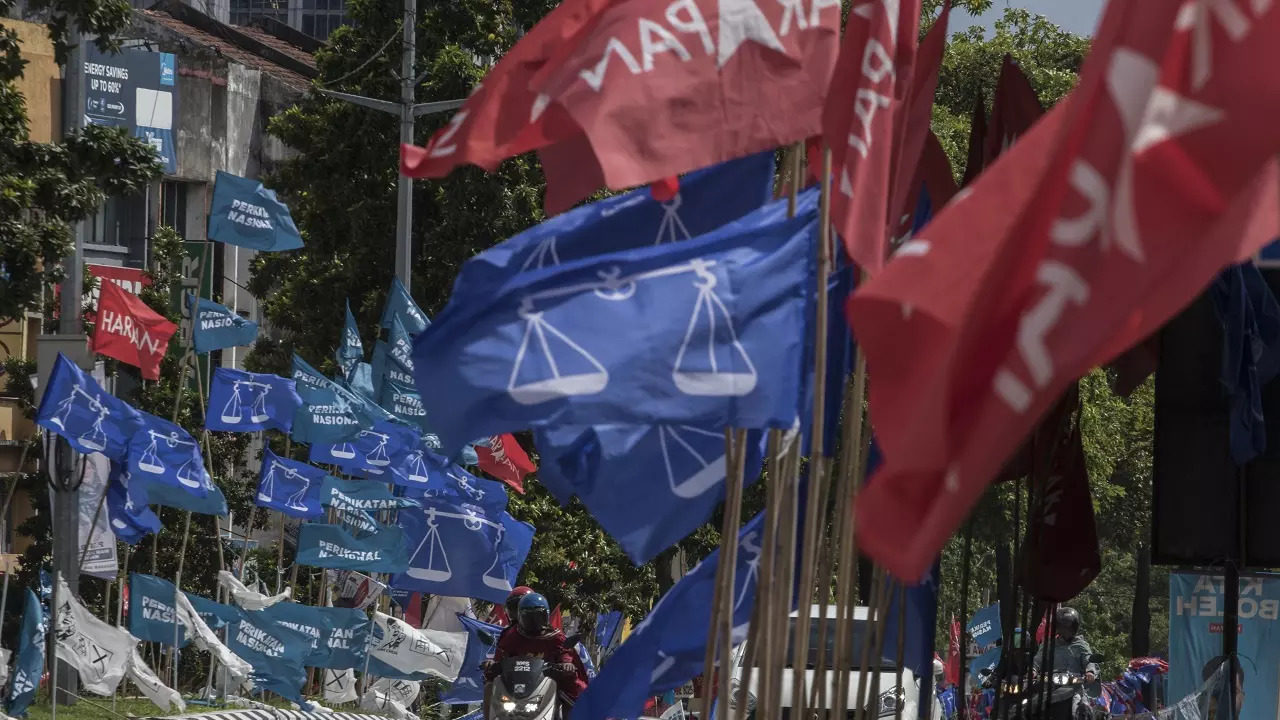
(45, 188)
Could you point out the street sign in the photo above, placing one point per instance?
(136, 90)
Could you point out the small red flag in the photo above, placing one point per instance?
(1015, 109)
(1104, 220)
(952, 672)
(413, 612)
(863, 119)
(557, 619)
(503, 458)
(126, 329)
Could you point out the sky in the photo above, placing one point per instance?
(1077, 16)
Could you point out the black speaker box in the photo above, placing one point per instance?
(1205, 508)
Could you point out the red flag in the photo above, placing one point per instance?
(126, 329)
(952, 673)
(1112, 213)
(662, 87)
(1015, 109)
(918, 116)
(504, 117)
(503, 458)
(499, 616)
(1042, 631)
(866, 106)
(975, 162)
(413, 612)
(557, 619)
(933, 174)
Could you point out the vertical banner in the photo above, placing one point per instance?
(984, 633)
(1195, 639)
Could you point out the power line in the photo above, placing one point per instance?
(366, 63)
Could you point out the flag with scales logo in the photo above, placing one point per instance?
(242, 401)
(578, 344)
(462, 551)
(289, 487)
(76, 407)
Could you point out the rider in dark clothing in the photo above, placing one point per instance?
(534, 636)
(1070, 654)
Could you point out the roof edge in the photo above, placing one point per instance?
(196, 19)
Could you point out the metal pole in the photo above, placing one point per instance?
(404, 200)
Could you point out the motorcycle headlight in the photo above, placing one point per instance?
(890, 701)
(508, 706)
(530, 707)
(1061, 678)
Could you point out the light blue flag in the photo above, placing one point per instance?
(666, 649)
(245, 213)
(469, 687)
(350, 349)
(359, 380)
(330, 413)
(401, 305)
(242, 401)
(304, 619)
(219, 327)
(461, 551)
(214, 614)
(29, 665)
(330, 546)
(363, 495)
(338, 635)
(151, 614)
(131, 519)
(707, 199)
(425, 474)
(707, 333)
(374, 449)
(647, 486)
(275, 652)
(162, 453)
(289, 487)
(93, 420)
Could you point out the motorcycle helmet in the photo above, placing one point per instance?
(534, 615)
(513, 602)
(1067, 623)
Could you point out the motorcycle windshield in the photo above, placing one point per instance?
(522, 675)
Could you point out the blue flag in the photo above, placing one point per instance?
(375, 449)
(461, 551)
(288, 486)
(275, 652)
(841, 354)
(213, 502)
(304, 619)
(647, 486)
(214, 614)
(350, 350)
(364, 495)
(242, 401)
(162, 453)
(469, 687)
(1250, 317)
(219, 327)
(667, 648)
(76, 407)
(151, 614)
(707, 333)
(29, 665)
(608, 627)
(359, 380)
(338, 635)
(245, 213)
(432, 476)
(401, 305)
(330, 413)
(378, 366)
(921, 609)
(330, 546)
(131, 519)
(708, 198)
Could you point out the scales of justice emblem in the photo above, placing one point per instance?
(438, 568)
(267, 490)
(188, 475)
(376, 457)
(233, 412)
(93, 437)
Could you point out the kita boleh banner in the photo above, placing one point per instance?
(1195, 640)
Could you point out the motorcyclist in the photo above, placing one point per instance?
(1072, 654)
(512, 606)
(534, 636)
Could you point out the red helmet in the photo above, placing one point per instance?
(513, 602)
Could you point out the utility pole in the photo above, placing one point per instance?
(409, 111)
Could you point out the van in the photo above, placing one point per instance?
(884, 706)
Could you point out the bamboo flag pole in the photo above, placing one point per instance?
(288, 451)
(735, 456)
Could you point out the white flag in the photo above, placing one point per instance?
(246, 598)
(206, 640)
(443, 628)
(408, 649)
(162, 695)
(100, 556)
(354, 589)
(382, 702)
(98, 651)
(340, 686)
(402, 691)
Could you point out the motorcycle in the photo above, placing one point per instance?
(524, 691)
(1033, 701)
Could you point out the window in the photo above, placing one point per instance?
(173, 205)
(859, 633)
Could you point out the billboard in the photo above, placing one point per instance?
(136, 90)
(1195, 638)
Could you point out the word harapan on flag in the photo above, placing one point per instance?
(126, 329)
